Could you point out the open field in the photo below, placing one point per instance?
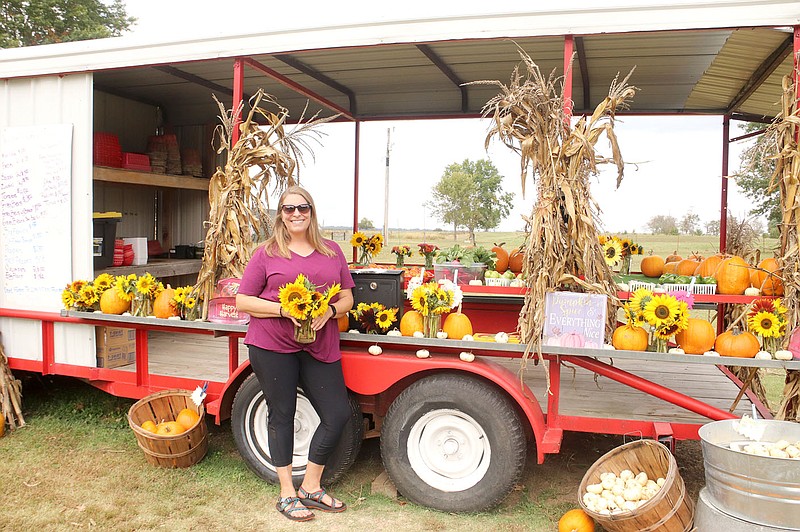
(659, 244)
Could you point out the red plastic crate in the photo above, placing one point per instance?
(136, 159)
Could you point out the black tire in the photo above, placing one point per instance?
(453, 443)
(249, 426)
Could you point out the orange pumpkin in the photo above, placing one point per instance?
(149, 426)
(169, 428)
(697, 338)
(576, 520)
(708, 267)
(652, 266)
(457, 325)
(187, 418)
(770, 285)
(501, 264)
(344, 323)
(515, 259)
(162, 306)
(737, 343)
(410, 323)
(112, 303)
(687, 267)
(733, 276)
(671, 267)
(630, 338)
(674, 257)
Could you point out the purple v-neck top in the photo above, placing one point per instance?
(263, 277)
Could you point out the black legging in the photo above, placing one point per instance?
(323, 383)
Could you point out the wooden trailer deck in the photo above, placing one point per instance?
(204, 357)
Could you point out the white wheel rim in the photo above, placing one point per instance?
(306, 421)
(449, 450)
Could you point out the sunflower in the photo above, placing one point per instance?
(385, 318)
(68, 298)
(661, 310)
(293, 291)
(779, 308)
(639, 299)
(665, 332)
(88, 295)
(298, 308)
(358, 239)
(633, 315)
(612, 250)
(764, 305)
(104, 281)
(419, 299)
(145, 284)
(765, 324)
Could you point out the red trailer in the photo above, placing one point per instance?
(454, 434)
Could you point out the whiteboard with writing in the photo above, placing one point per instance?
(35, 215)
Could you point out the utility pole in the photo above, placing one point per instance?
(386, 188)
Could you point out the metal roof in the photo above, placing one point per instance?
(416, 68)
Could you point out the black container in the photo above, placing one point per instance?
(184, 252)
(378, 286)
(104, 235)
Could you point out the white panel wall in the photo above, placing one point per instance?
(44, 101)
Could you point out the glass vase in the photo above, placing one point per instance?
(365, 259)
(660, 345)
(401, 260)
(430, 325)
(190, 314)
(141, 305)
(428, 262)
(304, 334)
(625, 267)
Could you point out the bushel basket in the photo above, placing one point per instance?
(670, 510)
(178, 450)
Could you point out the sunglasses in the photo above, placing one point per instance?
(304, 208)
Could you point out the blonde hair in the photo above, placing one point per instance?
(278, 243)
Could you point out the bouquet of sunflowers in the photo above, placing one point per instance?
(618, 249)
(665, 314)
(369, 246)
(432, 300)
(141, 291)
(374, 317)
(301, 300)
(185, 300)
(767, 319)
(84, 295)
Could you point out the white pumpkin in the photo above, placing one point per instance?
(423, 353)
(783, 354)
(375, 350)
(763, 355)
(441, 335)
(394, 332)
(466, 356)
(467, 338)
(752, 291)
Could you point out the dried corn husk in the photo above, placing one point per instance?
(783, 134)
(10, 395)
(562, 249)
(266, 155)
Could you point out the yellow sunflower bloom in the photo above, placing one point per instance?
(104, 281)
(145, 284)
(665, 332)
(292, 291)
(190, 302)
(639, 299)
(612, 251)
(661, 310)
(68, 299)
(88, 296)
(419, 299)
(358, 239)
(765, 323)
(385, 318)
(779, 308)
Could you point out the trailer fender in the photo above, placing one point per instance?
(222, 406)
(366, 374)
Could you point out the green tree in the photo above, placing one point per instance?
(366, 223)
(663, 225)
(33, 22)
(470, 195)
(754, 178)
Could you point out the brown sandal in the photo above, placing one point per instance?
(314, 500)
(287, 505)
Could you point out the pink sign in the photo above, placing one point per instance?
(574, 319)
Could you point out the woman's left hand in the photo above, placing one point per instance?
(319, 322)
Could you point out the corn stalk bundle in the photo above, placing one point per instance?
(266, 155)
(10, 395)
(562, 249)
(786, 177)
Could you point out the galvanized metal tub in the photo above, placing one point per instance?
(757, 489)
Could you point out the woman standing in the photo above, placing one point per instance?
(281, 363)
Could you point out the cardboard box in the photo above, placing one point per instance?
(139, 250)
(115, 346)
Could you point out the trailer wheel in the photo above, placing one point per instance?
(249, 426)
(453, 443)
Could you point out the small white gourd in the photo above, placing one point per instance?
(394, 332)
(418, 334)
(467, 338)
(676, 351)
(711, 353)
(752, 291)
(763, 355)
(783, 354)
(466, 356)
(375, 350)
(354, 331)
(501, 338)
(441, 335)
(423, 353)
